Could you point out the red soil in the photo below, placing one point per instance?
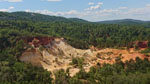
(141, 44)
(124, 55)
(37, 41)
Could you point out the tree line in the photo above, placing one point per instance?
(79, 35)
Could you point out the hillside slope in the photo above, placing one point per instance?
(124, 21)
(54, 54)
(29, 16)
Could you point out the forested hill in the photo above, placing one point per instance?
(79, 33)
(16, 26)
(36, 17)
(47, 18)
(79, 20)
(124, 21)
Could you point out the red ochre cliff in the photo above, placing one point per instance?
(37, 41)
(57, 54)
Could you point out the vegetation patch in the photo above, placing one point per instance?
(146, 51)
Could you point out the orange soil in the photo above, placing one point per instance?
(125, 55)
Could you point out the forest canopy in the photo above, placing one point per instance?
(78, 33)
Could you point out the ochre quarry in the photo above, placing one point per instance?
(54, 54)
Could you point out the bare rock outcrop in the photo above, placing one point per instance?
(56, 54)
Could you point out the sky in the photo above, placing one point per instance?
(91, 10)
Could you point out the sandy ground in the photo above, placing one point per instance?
(58, 55)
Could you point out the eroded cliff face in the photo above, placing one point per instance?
(32, 56)
(53, 55)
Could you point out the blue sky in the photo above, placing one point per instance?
(92, 10)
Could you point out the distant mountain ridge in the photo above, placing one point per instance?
(78, 20)
(29, 16)
(36, 17)
(123, 21)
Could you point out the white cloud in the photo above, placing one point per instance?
(28, 10)
(47, 12)
(122, 8)
(91, 3)
(148, 5)
(54, 0)
(12, 0)
(103, 14)
(123, 13)
(11, 7)
(8, 9)
(95, 7)
(4, 10)
(71, 12)
(100, 3)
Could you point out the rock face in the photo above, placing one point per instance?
(56, 53)
(37, 41)
(32, 56)
(140, 44)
